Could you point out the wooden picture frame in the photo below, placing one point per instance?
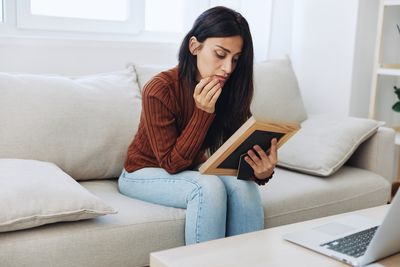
(225, 160)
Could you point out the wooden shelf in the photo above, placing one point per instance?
(390, 9)
(397, 140)
(389, 71)
(392, 2)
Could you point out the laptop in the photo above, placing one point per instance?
(354, 239)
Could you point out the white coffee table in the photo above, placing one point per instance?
(262, 248)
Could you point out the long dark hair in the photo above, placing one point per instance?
(233, 105)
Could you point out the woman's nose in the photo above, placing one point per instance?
(227, 66)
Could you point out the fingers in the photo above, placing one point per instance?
(260, 152)
(262, 170)
(200, 85)
(205, 85)
(250, 162)
(210, 94)
(206, 94)
(254, 157)
(263, 164)
(215, 97)
(273, 155)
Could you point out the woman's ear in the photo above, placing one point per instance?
(194, 45)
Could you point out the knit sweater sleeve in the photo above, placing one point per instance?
(174, 151)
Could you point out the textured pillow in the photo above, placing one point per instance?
(82, 124)
(146, 72)
(34, 193)
(277, 96)
(324, 143)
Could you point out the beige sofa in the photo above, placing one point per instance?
(94, 157)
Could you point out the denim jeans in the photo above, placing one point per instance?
(216, 206)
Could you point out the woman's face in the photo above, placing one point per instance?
(217, 57)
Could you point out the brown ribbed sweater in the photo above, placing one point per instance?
(171, 129)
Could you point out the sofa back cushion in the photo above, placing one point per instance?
(82, 124)
(277, 96)
(146, 72)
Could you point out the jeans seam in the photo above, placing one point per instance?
(198, 214)
(155, 179)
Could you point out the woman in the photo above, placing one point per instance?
(191, 108)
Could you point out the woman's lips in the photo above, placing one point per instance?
(221, 79)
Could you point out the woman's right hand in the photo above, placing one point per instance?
(206, 94)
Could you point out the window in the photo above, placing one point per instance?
(61, 8)
(114, 16)
(158, 20)
(148, 20)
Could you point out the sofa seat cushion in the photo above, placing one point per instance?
(127, 238)
(293, 197)
(123, 239)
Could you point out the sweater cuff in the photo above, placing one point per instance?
(262, 181)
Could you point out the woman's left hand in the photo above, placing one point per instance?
(264, 164)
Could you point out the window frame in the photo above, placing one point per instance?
(133, 25)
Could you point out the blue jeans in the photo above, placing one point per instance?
(216, 206)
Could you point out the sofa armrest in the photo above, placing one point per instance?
(377, 154)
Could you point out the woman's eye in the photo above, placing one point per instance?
(220, 55)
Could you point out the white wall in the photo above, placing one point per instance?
(322, 53)
(280, 41)
(332, 52)
(363, 63)
(73, 57)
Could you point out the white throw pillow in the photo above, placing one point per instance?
(34, 193)
(146, 72)
(82, 124)
(324, 143)
(277, 96)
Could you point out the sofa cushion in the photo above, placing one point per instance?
(324, 143)
(127, 238)
(34, 193)
(147, 71)
(82, 124)
(122, 239)
(294, 197)
(277, 96)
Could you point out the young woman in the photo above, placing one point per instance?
(191, 108)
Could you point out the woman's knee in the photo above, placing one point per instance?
(232, 185)
(123, 183)
(212, 187)
(241, 189)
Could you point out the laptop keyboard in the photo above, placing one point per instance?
(353, 245)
